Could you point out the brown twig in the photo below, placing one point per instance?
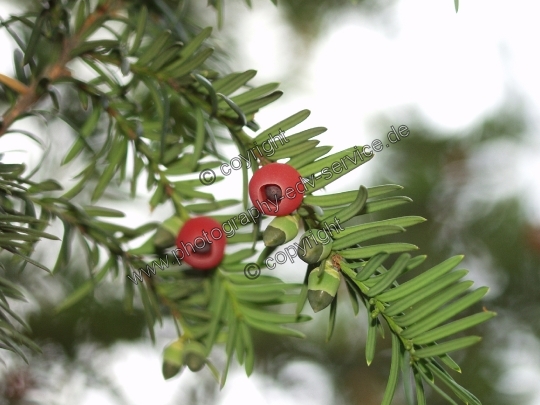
(56, 71)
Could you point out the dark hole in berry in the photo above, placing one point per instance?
(273, 192)
(204, 249)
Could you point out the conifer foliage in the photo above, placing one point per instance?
(159, 110)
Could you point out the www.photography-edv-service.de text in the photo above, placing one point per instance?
(251, 215)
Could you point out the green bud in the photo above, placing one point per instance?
(281, 230)
(163, 239)
(195, 355)
(312, 249)
(167, 232)
(173, 359)
(322, 289)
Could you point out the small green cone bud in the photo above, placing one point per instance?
(281, 230)
(195, 355)
(165, 235)
(164, 239)
(313, 248)
(173, 359)
(323, 289)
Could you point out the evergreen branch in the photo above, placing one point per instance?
(57, 70)
(224, 307)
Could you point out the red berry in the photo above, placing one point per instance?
(276, 183)
(201, 243)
